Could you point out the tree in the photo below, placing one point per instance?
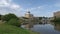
(0, 17)
(14, 22)
(9, 16)
(57, 19)
(40, 18)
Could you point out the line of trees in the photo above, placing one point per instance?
(11, 19)
(56, 20)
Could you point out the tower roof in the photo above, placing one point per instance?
(28, 12)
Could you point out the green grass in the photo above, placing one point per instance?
(9, 29)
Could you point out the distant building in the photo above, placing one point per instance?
(29, 15)
(30, 18)
(51, 18)
(45, 20)
(57, 14)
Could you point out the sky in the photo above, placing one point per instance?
(38, 8)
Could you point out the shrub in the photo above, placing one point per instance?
(14, 22)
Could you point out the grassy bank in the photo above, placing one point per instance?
(9, 29)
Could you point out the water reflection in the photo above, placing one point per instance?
(57, 27)
(46, 28)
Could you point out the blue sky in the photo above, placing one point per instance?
(36, 7)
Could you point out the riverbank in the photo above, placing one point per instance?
(9, 29)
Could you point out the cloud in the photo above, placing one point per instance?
(4, 3)
(8, 3)
(15, 6)
(36, 8)
(7, 6)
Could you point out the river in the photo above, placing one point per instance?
(46, 28)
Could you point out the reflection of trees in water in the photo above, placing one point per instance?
(57, 27)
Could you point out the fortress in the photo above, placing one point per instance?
(29, 20)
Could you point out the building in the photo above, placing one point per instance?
(51, 18)
(30, 18)
(29, 15)
(45, 20)
(57, 14)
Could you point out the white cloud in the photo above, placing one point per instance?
(8, 3)
(4, 3)
(36, 8)
(14, 6)
(7, 6)
(39, 7)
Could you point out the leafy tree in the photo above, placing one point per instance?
(7, 17)
(40, 18)
(0, 17)
(14, 22)
(57, 19)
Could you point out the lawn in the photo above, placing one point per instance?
(9, 29)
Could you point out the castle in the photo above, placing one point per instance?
(30, 18)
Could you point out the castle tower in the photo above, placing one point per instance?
(28, 14)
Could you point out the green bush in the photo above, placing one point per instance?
(14, 22)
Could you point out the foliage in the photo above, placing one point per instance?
(40, 18)
(14, 22)
(57, 20)
(7, 17)
(0, 17)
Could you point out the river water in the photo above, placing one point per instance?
(46, 29)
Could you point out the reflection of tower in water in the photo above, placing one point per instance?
(29, 17)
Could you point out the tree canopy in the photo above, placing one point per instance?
(0, 17)
(14, 22)
(9, 16)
